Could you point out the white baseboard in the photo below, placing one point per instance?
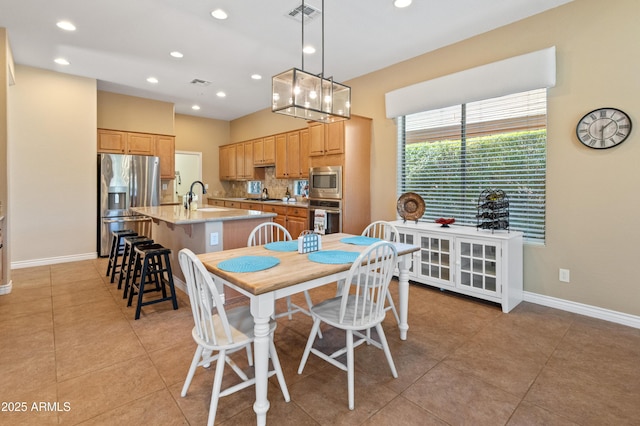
(53, 260)
(582, 309)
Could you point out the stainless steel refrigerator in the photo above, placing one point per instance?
(125, 181)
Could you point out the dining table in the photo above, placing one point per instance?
(284, 271)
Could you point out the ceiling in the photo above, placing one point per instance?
(121, 43)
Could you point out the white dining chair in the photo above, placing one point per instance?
(388, 232)
(219, 333)
(269, 232)
(355, 311)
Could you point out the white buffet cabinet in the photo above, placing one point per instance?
(477, 263)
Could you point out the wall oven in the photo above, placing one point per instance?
(333, 211)
(325, 182)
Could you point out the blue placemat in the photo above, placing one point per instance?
(360, 240)
(248, 263)
(282, 246)
(333, 256)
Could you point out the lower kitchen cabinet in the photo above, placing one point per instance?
(281, 211)
(297, 220)
(477, 263)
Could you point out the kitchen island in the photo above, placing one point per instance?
(204, 230)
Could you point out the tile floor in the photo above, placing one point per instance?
(72, 354)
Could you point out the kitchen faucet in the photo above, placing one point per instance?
(189, 195)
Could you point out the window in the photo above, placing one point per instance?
(254, 187)
(450, 155)
(301, 187)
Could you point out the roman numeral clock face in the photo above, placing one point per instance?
(604, 128)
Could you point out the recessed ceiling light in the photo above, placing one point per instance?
(309, 50)
(152, 80)
(219, 14)
(195, 107)
(176, 54)
(66, 25)
(61, 61)
(256, 76)
(401, 3)
(221, 94)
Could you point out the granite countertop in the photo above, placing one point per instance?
(303, 204)
(178, 215)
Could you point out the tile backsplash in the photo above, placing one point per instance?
(277, 187)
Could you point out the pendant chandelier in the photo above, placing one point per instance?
(301, 94)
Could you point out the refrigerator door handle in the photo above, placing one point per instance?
(144, 219)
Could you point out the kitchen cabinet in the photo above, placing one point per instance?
(304, 153)
(326, 139)
(264, 151)
(347, 144)
(464, 260)
(141, 144)
(244, 161)
(219, 203)
(297, 220)
(112, 141)
(233, 204)
(118, 142)
(292, 155)
(281, 211)
(281, 156)
(166, 150)
(251, 206)
(227, 158)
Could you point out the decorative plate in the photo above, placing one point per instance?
(410, 206)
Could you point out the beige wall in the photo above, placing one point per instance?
(52, 165)
(263, 123)
(5, 58)
(133, 114)
(593, 196)
(203, 135)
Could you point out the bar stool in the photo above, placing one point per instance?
(155, 270)
(130, 243)
(135, 267)
(117, 247)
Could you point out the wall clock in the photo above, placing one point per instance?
(604, 128)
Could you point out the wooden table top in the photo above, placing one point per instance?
(294, 268)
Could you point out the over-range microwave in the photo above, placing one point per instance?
(325, 182)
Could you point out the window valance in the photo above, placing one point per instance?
(530, 71)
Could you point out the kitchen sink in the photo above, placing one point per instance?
(263, 199)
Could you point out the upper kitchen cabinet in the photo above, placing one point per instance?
(326, 139)
(244, 161)
(264, 151)
(163, 146)
(119, 142)
(141, 144)
(292, 155)
(228, 162)
(112, 141)
(166, 151)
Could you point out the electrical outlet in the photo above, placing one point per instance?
(564, 275)
(214, 239)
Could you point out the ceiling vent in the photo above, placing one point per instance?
(200, 83)
(309, 12)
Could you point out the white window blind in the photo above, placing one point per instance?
(450, 155)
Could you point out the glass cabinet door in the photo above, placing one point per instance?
(435, 259)
(478, 267)
(408, 238)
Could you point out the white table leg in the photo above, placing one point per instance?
(261, 308)
(403, 288)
